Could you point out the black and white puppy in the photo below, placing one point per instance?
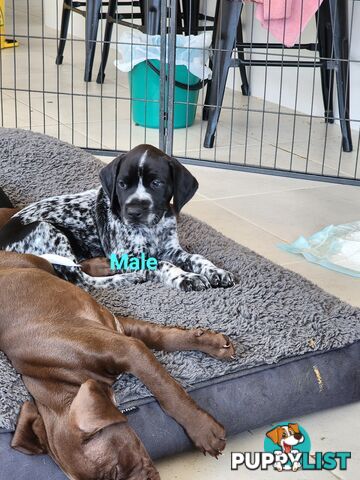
(130, 213)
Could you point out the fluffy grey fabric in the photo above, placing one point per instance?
(271, 313)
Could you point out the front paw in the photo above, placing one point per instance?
(220, 278)
(207, 434)
(215, 344)
(192, 282)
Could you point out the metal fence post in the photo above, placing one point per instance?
(163, 82)
(171, 77)
(167, 74)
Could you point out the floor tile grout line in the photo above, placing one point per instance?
(313, 160)
(37, 111)
(264, 255)
(270, 192)
(253, 223)
(333, 474)
(312, 187)
(258, 226)
(248, 221)
(26, 104)
(47, 126)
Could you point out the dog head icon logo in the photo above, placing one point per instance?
(286, 436)
(288, 441)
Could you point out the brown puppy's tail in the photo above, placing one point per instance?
(4, 200)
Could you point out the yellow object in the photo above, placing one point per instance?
(5, 42)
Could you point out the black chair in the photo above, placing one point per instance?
(92, 12)
(332, 45)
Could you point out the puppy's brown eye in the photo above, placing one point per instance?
(284, 435)
(156, 183)
(122, 184)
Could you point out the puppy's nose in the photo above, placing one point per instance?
(134, 212)
(298, 436)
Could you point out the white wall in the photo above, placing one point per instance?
(52, 18)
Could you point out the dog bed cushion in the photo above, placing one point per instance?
(298, 347)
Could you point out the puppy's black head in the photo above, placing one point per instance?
(142, 182)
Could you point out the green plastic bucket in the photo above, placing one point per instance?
(144, 81)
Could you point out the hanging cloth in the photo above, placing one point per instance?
(286, 19)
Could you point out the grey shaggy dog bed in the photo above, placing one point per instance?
(271, 313)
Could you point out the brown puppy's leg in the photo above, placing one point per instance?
(6, 214)
(115, 354)
(131, 355)
(97, 267)
(173, 339)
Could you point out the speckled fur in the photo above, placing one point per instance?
(96, 231)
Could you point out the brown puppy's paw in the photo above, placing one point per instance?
(207, 434)
(215, 344)
(152, 475)
(97, 267)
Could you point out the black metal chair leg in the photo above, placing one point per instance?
(240, 40)
(142, 11)
(65, 18)
(340, 30)
(107, 39)
(324, 32)
(191, 9)
(152, 17)
(179, 19)
(226, 29)
(205, 112)
(92, 23)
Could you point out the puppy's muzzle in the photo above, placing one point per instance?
(137, 212)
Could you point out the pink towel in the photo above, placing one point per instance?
(286, 19)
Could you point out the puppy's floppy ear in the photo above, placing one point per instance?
(274, 434)
(185, 184)
(108, 176)
(295, 427)
(30, 434)
(93, 409)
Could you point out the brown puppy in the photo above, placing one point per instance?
(69, 350)
(6, 214)
(7, 209)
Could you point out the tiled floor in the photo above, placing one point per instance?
(255, 210)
